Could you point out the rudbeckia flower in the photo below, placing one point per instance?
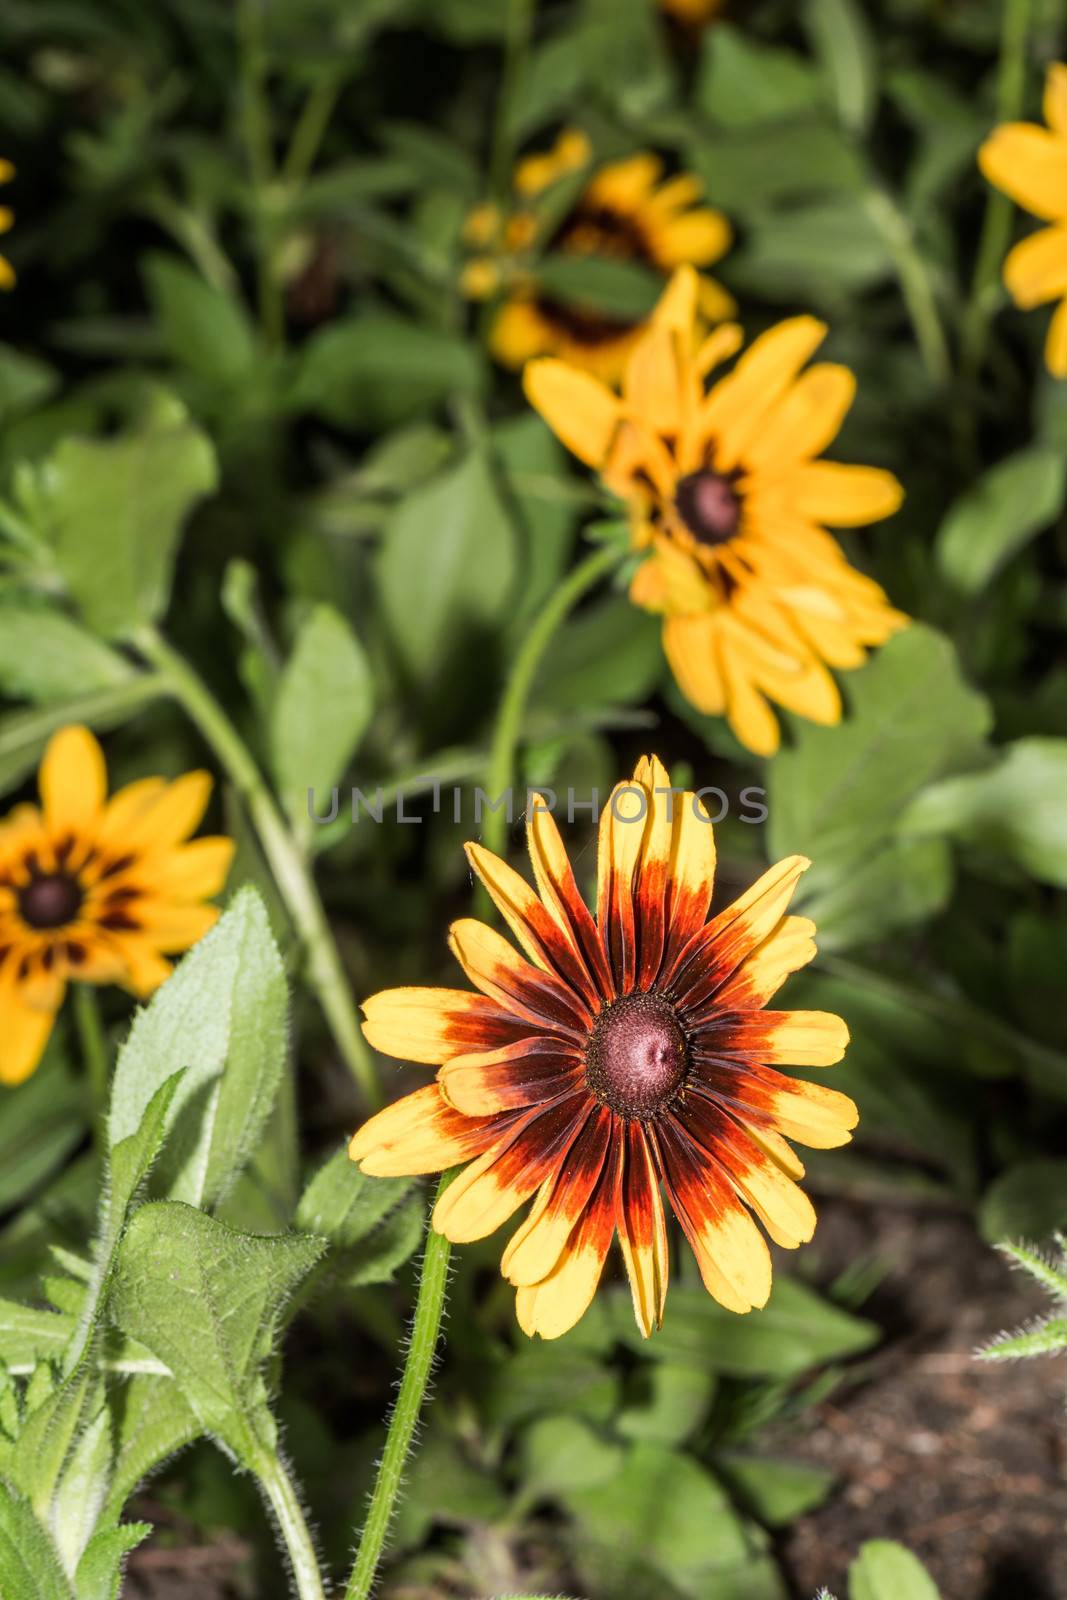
(1029, 163)
(94, 890)
(627, 211)
(7, 271)
(622, 1061)
(726, 497)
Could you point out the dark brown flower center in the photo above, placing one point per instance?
(709, 506)
(637, 1055)
(50, 900)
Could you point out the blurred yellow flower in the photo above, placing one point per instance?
(7, 271)
(1029, 163)
(726, 497)
(691, 13)
(94, 890)
(626, 211)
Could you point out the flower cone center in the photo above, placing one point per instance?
(637, 1055)
(50, 901)
(708, 506)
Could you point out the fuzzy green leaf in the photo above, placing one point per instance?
(29, 1566)
(1012, 503)
(886, 1571)
(321, 709)
(45, 656)
(99, 1574)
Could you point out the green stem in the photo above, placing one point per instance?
(284, 1501)
(95, 1056)
(422, 1348)
(325, 972)
(997, 223)
(501, 770)
(915, 284)
(311, 125)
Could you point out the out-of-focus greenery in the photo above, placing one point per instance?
(243, 398)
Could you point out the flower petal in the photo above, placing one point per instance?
(715, 953)
(432, 1025)
(1056, 342)
(422, 1133)
(807, 1112)
(781, 1205)
(622, 828)
(546, 941)
(805, 420)
(787, 1038)
(790, 947)
(520, 988)
(535, 1248)
(643, 1231)
(579, 409)
(731, 1253)
(492, 1188)
(73, 781)
(552, 1306)
(735, 409)
(1036, 270)
(560, 893)
(24, 1030)
(510, 1079)
(1055, 100)
(1029, 164)
(843, 496)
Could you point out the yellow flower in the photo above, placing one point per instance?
(726, 496)
(94, 890)
(628, 1054)
(1029, 163)
(7, 271)
(626, 211)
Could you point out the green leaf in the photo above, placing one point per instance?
(795, 1331)
(29, 1334)
(776, 1492)
(1046, 1337)
(533, 463)
(992, 521)
(221, 1016)
(561, 1454)
(373, 1225)
(617, 288)
(206, 1301)
(1028, 1201)
(1049, 1274)
(1014, 809)
(376, 370)
(113, 510)
(321, 709)
(749, 171)
(886, 1571)
(25, 382)
(742, 83)
(99, 1574)
(81, 1490)
(608, 655)
(662, 1513)
(842, 40)
(838, 794)
(29, 1566)
(45, 656)
(205, 329)
(151, 1425)
(447, 568)
(43, 1120)
(827, 250)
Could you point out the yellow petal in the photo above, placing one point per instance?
(790, 947)
(432, 1025)
(1055, 103)
(1029, 164)
(1036, 270)
(418, 1134)
(581, 410)
(690, 644)
(843, 496)
(735, 408)
(24, 1030)
(196, 871)
(805, 420)
(73, 781)
(699, 237)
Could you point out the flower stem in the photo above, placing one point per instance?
(256, 130)
(295, 882)
(516, 44)
(422, 1349)
(996, 226)
(914, 279)
(95, 1056)
(292, 1524)
(501, 770)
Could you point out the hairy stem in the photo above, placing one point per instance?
(325, 972)
(292, 1525)
(915, 285)
(425, 1327)
(501, 771)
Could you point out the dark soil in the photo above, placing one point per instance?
(963, 1461)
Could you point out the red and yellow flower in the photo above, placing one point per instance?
(727, 499)
(623, 1060)
(1029, 163)
(96, 890)
(7, 218)
(625, 211)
